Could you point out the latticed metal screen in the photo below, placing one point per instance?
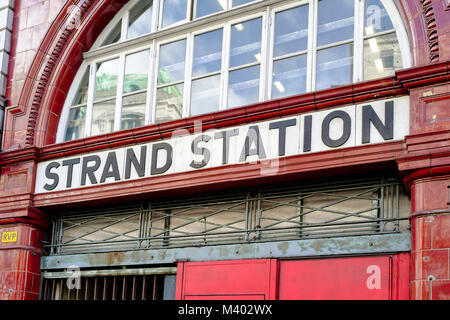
(301, 211)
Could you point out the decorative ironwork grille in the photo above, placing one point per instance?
(301, 211)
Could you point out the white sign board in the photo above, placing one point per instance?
(357, 125)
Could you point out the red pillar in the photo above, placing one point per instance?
(430, 225)
(22, 227)
(20, 262)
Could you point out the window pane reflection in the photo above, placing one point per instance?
(241, 2)
(289, 77)
(243, 87)
(106, 79)
(82, 93)
(334, 66)
(76, 124)
(172, 58)
(173, 11)
(207, 53)
(381, 56)
(335, 21)
(115, 35)
(136, 72)
(376, 18)
(103, 117)
(291, 31)
(205, 95)
(140, 20)
(245, 42)
(205, 7)
(133, 111)
(169, 103)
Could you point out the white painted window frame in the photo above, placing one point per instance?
(188, 29)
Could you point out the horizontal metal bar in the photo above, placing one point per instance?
(111, 273)
(374, 244)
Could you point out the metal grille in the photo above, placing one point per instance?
(352, 207)
(107, 285)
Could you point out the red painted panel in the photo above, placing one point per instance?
(227, 297)
(350, 278)
(366, 278)
(243, 279)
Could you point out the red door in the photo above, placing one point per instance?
(360, 278)
(375, 277)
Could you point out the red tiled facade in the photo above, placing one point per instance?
(45, 57)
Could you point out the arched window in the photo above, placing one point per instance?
(162, 60)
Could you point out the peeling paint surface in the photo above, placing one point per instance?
(389, 243)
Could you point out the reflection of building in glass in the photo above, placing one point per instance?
(133, 111)
(169, 99)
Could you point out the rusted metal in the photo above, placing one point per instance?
(86, 288)
(144, 288)
(133, 291)
(114, 292)
(382, 243)
(95, 288)
(124, 288)
(155, 287)
(111, 272)
(105, 286)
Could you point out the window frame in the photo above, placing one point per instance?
(266, 9)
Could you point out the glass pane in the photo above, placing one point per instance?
(291, 31)
(289, 76)
(169, 103)
(207, 53)
(334, 66)
(82, 93)
(243, 87)
(173, 11)
(136, 72)
(140, 21)
(76, 124)
(205, 95)
(376, 18)
(205, 7)
(114, 36)
(245, 42)
(336, 19)
(241, 2)
(106, 79)
(172, 58)
(133, 111)
(103, 117)
(381, 56)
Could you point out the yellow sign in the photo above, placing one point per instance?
(9, 236)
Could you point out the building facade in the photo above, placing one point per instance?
(224, 149)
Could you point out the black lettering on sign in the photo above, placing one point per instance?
(369, 116)
(155, 152)
(131, 159)
(52, 176)
(225, 136)
(69, 164)
(345, 132)
(281, 126)
(200, 151)
(111, 169)
(88, 171)
(253, 138)
(307, 134)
